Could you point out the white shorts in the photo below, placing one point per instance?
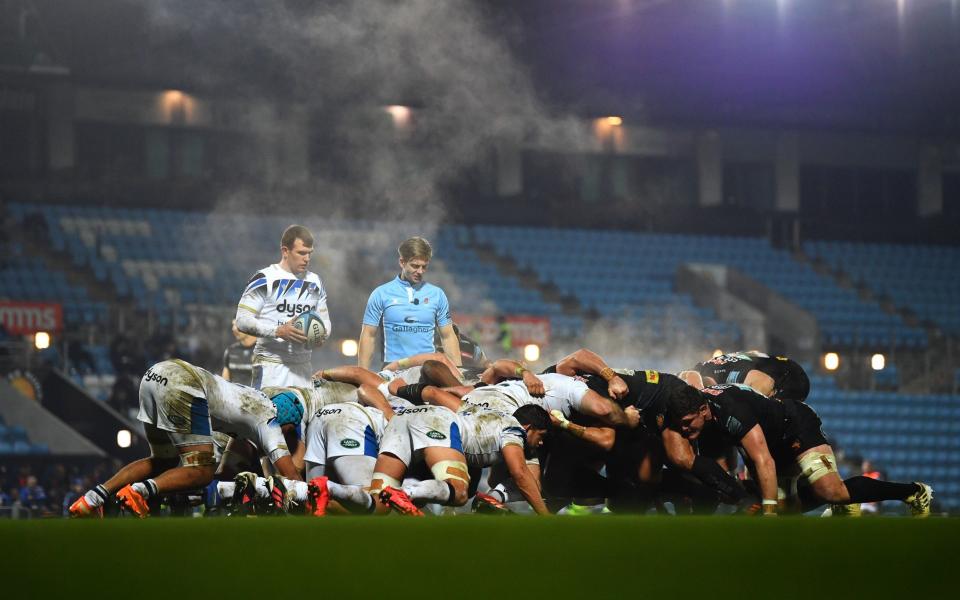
(410, 375)
(422, 427)
(274, 374)
(343, 430)
(172, 399)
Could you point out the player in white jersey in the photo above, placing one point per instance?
(180, 406)
(449, 444)
(274, 297)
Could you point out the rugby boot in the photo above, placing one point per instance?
(278, 501)
(400, 502)
(845, 510)
(131, 500)
(318, 496)
(243, 502)
(485, 504)
(919, 503)
(81, 509)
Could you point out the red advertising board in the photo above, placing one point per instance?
(523, 329)
(24, 318)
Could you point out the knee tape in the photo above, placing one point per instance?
(815, 465)
(197, 458)
(450, 469)
(381, 481)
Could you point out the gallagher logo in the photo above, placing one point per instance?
(409, 320)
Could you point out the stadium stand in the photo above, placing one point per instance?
(14, 440)
(913, 277)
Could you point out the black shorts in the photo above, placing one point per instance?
(804, 430)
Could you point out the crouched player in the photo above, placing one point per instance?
(181, 405)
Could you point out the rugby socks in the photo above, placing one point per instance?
(296, 489)
(430, 492)
(500, 493)
(865, 489)
(350, 495)
(97, 496)
(225, 489)
(261, 487)
(147, 489)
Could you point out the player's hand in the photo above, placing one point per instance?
(290, 333)
(633, 417)
(617, 388)
(534, 385)
(557, 419)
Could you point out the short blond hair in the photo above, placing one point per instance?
(415, 247)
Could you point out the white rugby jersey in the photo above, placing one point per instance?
(237, 410)
(562, 393)
(274, 296)
(484, 433)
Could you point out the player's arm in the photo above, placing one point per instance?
(418, 359)
(249, 307)
(369, 395)
(586, 361)
(365, 347)
(323, 312)
(594, 405)
(760, 381)
(505, 368)
(755, 445)
(517, 466)
(274, 446)
(602, 437)
(348, 374)
(225, 373)
(451, 344)
(372, 316)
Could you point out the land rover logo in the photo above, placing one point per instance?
(348, 443)
(436, 435)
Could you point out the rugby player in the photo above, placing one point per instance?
(777, 437)
(635, 462)
(772, 376)
(410, 310)
(449, 444)
(238, 358)
(275, 296)
(181, 405)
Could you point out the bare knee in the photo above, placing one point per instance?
(832, 490)
(459, 497)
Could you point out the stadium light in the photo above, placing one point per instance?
(349, 347)
(615, 121)
(401, 115)
(531, 353)
(124, 438)
(831, 361)
(41, 340)
(878, 362)
(717, 352)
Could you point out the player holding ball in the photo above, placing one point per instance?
(274, 301)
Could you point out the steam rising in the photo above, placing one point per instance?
(344, 62)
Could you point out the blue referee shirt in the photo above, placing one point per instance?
(409, 316)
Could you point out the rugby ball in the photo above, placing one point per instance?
(312, 326)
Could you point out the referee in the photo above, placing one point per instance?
(410, 311)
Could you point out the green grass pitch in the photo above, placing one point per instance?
(458, 557)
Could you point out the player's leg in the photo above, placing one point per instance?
(819, 468)
(439, 374)
(450, 478)
(350, 374)
(163, 456)
(194, 472)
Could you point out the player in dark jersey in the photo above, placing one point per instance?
(772, 376)
(634, 465)
(777, 437)
(238, 358)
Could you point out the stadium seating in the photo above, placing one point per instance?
(924, 279)
(14, 440)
